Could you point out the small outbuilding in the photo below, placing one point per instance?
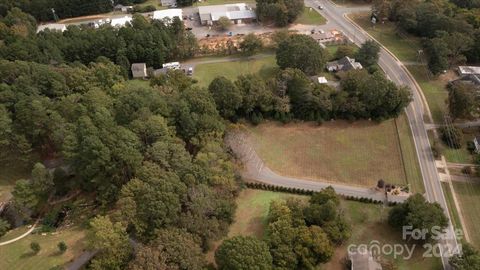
(168, 3)
(476, 141)
(468, 70)
(322, 80)
(168, 14)
(139, 70)
(123, 8)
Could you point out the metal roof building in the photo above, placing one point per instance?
(167, 13)
(235, 12)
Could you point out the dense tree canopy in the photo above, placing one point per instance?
(279, 12)
(302, 52)
(243, 253)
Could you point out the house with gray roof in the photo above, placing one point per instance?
(343, 64)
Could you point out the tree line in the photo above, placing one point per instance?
(153, 43)
(450, 29)
(292, 94)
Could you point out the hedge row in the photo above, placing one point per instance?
(262, 186)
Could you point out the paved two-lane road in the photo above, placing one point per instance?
(415, 111)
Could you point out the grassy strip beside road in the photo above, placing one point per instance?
(468, 195)
(451, 206)
(409, 155)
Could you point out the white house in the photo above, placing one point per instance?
(139, 70)
(52, 27)
(237, 13)
(121, 21)
(476, 141)
(167, 14)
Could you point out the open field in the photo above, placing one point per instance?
(310, 16)
(468, 195)
(18, 254)
(358, 153)
(205, 73)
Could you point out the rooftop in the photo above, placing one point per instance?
(231, 11)
(122, 21)
(52, 26)
(167, 13)
(464, 70)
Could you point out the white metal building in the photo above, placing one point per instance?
(52, 26)
(167, 13)
(237, 13)
(121, 21)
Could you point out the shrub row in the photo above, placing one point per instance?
(262, 186)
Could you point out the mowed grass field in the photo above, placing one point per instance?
(368, 220)
(205, 73)
(358, 153)
(18, 255)
(468, 195)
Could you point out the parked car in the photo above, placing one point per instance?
(320, 7)
(188, 28)
(190, 71)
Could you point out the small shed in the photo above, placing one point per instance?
(139, 70)
(322, 80)
(476, 141)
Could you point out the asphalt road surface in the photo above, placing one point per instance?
(415, 112)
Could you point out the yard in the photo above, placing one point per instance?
(310, 16)
(369, 224)
(205, 73)
(468, 195)
(358, 153)
(18, 254)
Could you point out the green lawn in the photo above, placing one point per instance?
(156, 3)
(18, 255)
(205, 73)
(310, 16)
(358, 153)
(468, 195)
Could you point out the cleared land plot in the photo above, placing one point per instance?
(310, 16)
(18, 254)
(358, 153)
(468, 195)
(205, 73)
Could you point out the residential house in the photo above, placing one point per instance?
(238, 13)
(167, 14)
(168, 3)
(139, 70)
(123, 8)
(361, 259)
(329, 37)
(52, 27)
(343, 64)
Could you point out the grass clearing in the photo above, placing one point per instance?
(358, 153)
(405, 47)
(18, 254)
(205, 73)
(451, 206)
(468, 195)
(13, 169)
(310, 17)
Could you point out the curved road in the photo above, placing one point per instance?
(415, 112)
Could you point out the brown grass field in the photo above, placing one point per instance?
(358, 153)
